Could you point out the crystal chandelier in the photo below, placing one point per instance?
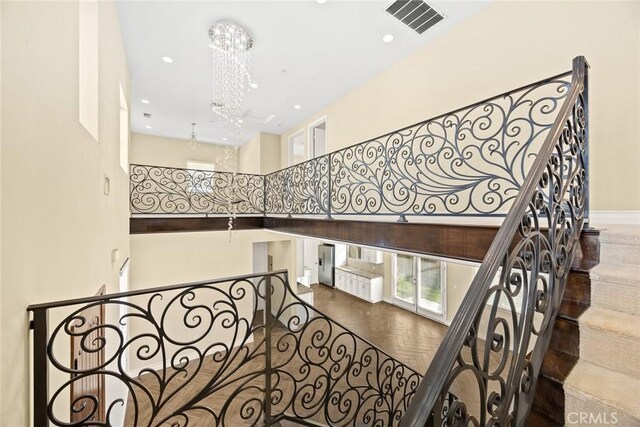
(231, 46)
(193, 140)
(231, 49)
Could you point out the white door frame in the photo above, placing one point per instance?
(290, 145)
(415, 307)
(310, 135)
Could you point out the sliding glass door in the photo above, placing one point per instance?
(420, 286)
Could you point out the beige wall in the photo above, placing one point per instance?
(1, 282)
(171, 152)
(261, 155)
(270, 157)
(506, 45)
(58, 227)
(459, 278)
(249, 156)
(171, 258)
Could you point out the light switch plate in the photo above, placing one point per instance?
(107, 185)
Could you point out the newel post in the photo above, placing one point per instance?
(40, 326)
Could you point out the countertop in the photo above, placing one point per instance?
(302, 289)
(359, 272)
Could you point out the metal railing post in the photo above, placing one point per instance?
(329, 188)
(268, 323)
(585, 96)
(264, 195)
(40, 326)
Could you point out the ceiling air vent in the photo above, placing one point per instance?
(416, 14)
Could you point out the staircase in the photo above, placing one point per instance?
(604, 386)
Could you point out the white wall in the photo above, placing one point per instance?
(58, 228)
(508, 44)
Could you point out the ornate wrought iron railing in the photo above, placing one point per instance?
(468, 162)
(229, 352)
(162, 190)
(491, 358)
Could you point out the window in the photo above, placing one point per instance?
(420, 285)
(124, 132)
(88, 107)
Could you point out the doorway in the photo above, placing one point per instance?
(420, 285)
(86, 336)
(318, 138)
(296, 148)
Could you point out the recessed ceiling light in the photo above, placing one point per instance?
(388, 38)
(144, 101)
(224, 139)
(240, 121)
(148, 127)
(254, 85)
(297, 107)
(167, 59)
(321, 1)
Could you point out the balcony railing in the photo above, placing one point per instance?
(228, 352)
(469, 162)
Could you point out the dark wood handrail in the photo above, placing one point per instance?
(107, 297)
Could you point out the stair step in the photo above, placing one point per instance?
(614, 273)
(612, 339)
(597, 393)
(615, 253)
(621, 234)
(616, 287)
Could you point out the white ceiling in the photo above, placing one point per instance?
(326, 49)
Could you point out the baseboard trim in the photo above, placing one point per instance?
(614, 217)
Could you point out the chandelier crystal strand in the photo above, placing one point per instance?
(231, 45)
(193, 140)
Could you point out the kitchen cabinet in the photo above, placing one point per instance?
(369, 289)
(371, 255)
(365, 254)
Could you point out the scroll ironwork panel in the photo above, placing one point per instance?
(468, 162)
(493, 351)
(162, 190)
(184, 355)
(229, 352)
(299, 189)
(324, 373)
